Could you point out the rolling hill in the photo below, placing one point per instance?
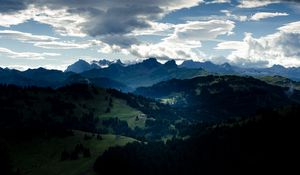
(219, 97)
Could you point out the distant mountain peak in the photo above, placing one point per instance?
(119, 62)
(82, 65)
(171, 64)
(277, 66)
(151, 59)
(151, 62)
(79, 66)
(226, 65)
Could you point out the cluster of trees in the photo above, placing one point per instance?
(118, 126)
(78, 151)
(45, 111)
(266, 143)
(110, 105)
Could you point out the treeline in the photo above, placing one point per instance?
(30, 111)
(266, 143)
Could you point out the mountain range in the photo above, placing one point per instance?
(82, 65)
(291, 73)
(146, 73)
(115, 74)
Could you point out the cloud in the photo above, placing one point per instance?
(25, 37)
(183, 43)
(90, 17)
(262, 15)
(156, 28)
(231, 16)
(63, 45)
(12, 5)
(46, 42)
(201, 30)
(281, 48)
(25, 55)
(120, 40)
(291, 27)
(116, 22)
(217, 1)
(228, 16)
(256, 3)
(14, 18)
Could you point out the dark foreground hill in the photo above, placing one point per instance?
(220, 97)
(33, 111)
(62, 131)
(264, 144)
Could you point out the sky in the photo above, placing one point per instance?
(56, 33)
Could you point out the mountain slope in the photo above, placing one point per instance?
(33, 77)
(99, 82)
(219, 97)
(276, 70)
(209, 66)
(54, 78)
(281, 81)
(79, 66)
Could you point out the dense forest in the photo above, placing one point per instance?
(266, 143)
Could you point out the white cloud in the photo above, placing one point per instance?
(155, 28)
(25, 55)
(47, 42)
(231, 16)
(183, 43)
(293, 27)
(26, 37)
(262, 15)
(63, 22)
(282, 47)
(218, 1)
(228, 16)
(62, 45)
(256, 3)
(194, 31)
(10, 19)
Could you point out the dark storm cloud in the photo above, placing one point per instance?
(119, 20)
(7, 6)
(120, 40)
(109, 19)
